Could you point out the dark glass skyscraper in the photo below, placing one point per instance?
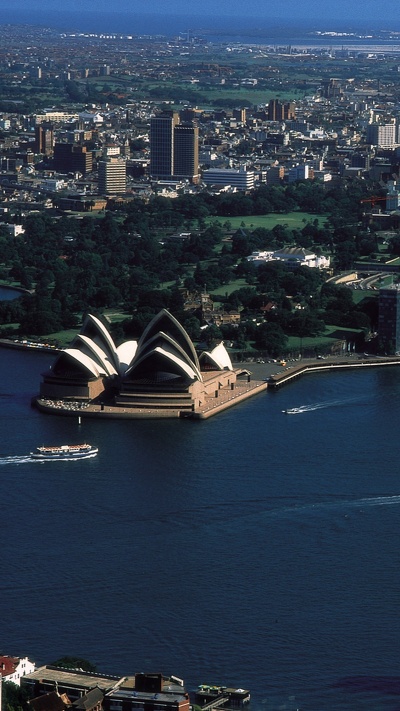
(389, 319)
(174, 148)
(162, 144)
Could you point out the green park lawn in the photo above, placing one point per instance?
(292, 220)
(227, 289)
(325, 340)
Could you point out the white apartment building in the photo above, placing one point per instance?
(241, 179)
(12, 668)
(381, 134)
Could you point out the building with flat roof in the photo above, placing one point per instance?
(281, 110)
(87, 691)
(112, 176)
(174, 147)
(72, 157)
(389, 319)
(44, 138)
(382, 135)
(162, 144)
(73, 682)
(186, 151)
(241, 179)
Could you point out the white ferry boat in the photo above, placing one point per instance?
(65, 451)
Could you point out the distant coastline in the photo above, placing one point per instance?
(214, 28)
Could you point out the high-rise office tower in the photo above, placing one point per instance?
(331, 88)
(186, 151)
(72, 157)
(281, 111)
(162, 144)
(240, 115)
(174, 148)
(389, 319)
(112, 176)
(44, 138)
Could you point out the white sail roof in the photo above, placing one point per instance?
(126, 353)
(95, 352)
(82, 361)
(220, 355)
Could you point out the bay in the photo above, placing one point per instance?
(253, 549)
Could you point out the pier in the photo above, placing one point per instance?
(314, 366)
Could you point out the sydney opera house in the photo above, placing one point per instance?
(160, 375)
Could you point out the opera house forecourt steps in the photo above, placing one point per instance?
(160, 375)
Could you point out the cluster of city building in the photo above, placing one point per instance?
(52, 688)
(80, 161)
(80, 156)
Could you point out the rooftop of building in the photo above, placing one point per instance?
(72, 677)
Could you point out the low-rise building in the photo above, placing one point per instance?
(293, 257)
(13, 668)
(300, 257)
(88, 691)
(241, 179)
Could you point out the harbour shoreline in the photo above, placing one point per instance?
(224, 398)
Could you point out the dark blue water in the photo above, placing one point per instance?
(9, 294)
(254, 549)
(252, 27)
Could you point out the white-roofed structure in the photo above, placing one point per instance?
(160, 375)
(217, 359)
(126, 353)
(88, 346)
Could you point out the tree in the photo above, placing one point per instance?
(15, 698)
(271, 338)
(192, 327)
(69, 662)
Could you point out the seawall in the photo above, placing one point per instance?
(291, 372)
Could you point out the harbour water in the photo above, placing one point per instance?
(253, 549)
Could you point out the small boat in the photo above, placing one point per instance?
(65, 451)
(293, 411)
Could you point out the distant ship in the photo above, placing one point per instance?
(65, 451)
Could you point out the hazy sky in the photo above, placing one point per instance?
(369, 12)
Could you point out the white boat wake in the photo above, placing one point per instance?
(317, 406)
(27, 459)
(15, 460)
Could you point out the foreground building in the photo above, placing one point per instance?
(58, 689)
(389, 319)
(160, 375)
(14, 668)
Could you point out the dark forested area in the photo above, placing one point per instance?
(129, 259)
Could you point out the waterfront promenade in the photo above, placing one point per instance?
(255, 379)
(280, 375)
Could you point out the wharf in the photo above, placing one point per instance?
(276, 380)
(23, 345)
